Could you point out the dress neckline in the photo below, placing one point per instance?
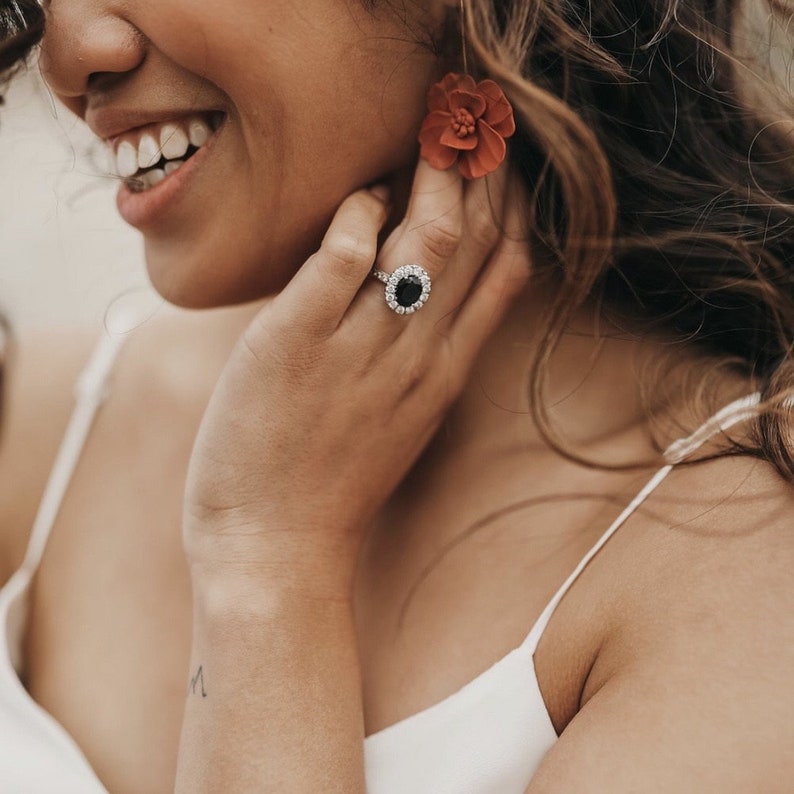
(90, 392)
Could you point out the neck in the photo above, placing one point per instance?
(593, 394)
(490, 454)
(611, 396)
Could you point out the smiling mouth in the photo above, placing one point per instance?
(146, 156)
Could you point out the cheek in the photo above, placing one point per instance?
(306, 129)
(339, 129)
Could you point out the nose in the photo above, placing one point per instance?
(88, 47)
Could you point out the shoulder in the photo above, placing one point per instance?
(168, 367)
(160, 384)
(717, 534)
(692, 681)
(39, 378)
(711, 590)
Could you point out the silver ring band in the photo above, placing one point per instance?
(407, 289)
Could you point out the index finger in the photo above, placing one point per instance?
(321, 292)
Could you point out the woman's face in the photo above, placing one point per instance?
(300, 103)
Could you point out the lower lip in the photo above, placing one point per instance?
(147, 207)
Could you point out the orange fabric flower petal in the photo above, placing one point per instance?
(475, 103)
(436, 120)
(487, 121)
(440, 157)
(499, 113)
(432, 150)
(450, 138)
(465, 82)
(487, 157)
(438, 95)
(437, 98)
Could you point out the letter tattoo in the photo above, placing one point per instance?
(197, 679)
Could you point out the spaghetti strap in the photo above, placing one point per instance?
(90, 392)
(737, 411)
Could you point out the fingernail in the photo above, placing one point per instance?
(381, 192)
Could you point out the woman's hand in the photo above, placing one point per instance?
(324, 405)
(330, 396)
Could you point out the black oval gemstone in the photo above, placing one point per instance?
(408, 291)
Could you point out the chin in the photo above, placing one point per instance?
(192, 279)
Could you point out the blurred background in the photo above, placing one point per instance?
(66, 258)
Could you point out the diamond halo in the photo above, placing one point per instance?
(407, 289)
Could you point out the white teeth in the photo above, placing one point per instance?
(148, 151)
(153, 177)
(199, 132)
(126, 159)
(172, 166)
(173, 141)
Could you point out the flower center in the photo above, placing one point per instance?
(463, 123)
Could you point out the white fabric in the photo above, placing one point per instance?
(37, 756)
(487, 738)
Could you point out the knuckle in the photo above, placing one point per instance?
(259, 354)
(273, 343)
(456, 380)
(412, 374)
(264, 326)
(451, 375)
(347, 252)
(447, 373)
(482, 227)
(441, 238)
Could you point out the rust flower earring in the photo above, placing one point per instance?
(467, 122)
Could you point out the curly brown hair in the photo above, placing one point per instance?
(21, 28)
(657, 191)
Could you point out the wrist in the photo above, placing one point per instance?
(252, 565)
(229, 608)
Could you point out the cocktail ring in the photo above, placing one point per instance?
(407, 289)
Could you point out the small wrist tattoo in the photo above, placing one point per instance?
(197, 683)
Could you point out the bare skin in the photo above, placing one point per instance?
(114, 674)
(666, 667)
(84, 597)
(659, 639)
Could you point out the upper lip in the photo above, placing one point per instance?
(110, 123)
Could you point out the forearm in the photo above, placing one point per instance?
(322, 409)
(274, 695)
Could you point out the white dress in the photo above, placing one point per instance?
(487, 738)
